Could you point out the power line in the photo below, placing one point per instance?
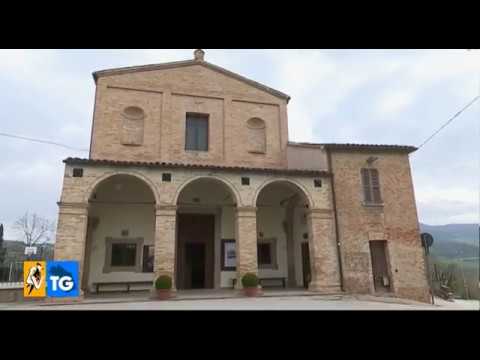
(41, 141)
(449, 121)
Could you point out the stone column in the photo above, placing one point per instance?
(71, 235)
(165, 244)
(289, 227)
(323, 252)
(92, 223)
(246, 242)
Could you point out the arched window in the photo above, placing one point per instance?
(256, 136)
(132, 125)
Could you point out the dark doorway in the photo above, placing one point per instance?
(195, 265)
(306, 265)
(381, 278)
(195, 259)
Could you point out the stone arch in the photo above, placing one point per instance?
(295, 183)
(257, 136)
(138, 175)
(227, 183)
(281, 238)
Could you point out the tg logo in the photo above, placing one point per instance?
(50, 278)
(65, 283)
(62, 279)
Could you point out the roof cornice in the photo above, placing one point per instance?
(166, 165)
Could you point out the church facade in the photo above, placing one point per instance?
(191, 174)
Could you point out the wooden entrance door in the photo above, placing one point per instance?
(381, 278)
(195, 265)
(195, 259)
(306, 265)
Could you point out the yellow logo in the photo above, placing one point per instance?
(34, 278)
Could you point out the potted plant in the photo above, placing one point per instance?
(163, 285)
(250, 284)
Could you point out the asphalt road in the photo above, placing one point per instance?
(261, 303)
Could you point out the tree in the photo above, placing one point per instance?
(35, 229)
(2, 250)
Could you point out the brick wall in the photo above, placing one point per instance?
(166, 96)
(396, 222)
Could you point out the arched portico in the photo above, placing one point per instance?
(120, 237)
(205, 219)
(295, 240)
(109, 174)
(235, 203)
(283, 234)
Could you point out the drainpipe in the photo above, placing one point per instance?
(334, 201)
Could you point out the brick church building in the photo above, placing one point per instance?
(191, 174)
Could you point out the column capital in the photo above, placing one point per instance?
(165, 207)
(318, 213)
(246, 211)
(78, 208)
(165, 210)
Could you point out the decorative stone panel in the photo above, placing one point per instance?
(256, 136)
(132, 125)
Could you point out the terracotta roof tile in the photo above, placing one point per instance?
(358, 147)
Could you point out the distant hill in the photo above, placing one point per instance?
(16, 251)
(454, 240)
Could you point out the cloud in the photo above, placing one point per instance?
(393, 103)
(396, 96)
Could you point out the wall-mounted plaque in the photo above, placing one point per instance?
(229, 255)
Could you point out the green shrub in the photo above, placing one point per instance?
(249, 280)
(163, 282)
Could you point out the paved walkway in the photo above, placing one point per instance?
(293, 302)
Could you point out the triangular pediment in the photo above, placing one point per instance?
(189, 63)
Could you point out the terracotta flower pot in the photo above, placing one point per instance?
(251, 291)
(164, 294)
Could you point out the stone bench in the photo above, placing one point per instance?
(128, 284)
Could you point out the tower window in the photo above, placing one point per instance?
(371, 186)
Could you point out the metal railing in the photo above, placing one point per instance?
(11, 272)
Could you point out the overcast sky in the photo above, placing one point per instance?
(362, 96)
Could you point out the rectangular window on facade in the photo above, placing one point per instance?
(196, 136)
(148, 258)
(371, 186)
(124, 254)
(78, 172)
(266, 254)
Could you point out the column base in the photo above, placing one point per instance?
(324, 289)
